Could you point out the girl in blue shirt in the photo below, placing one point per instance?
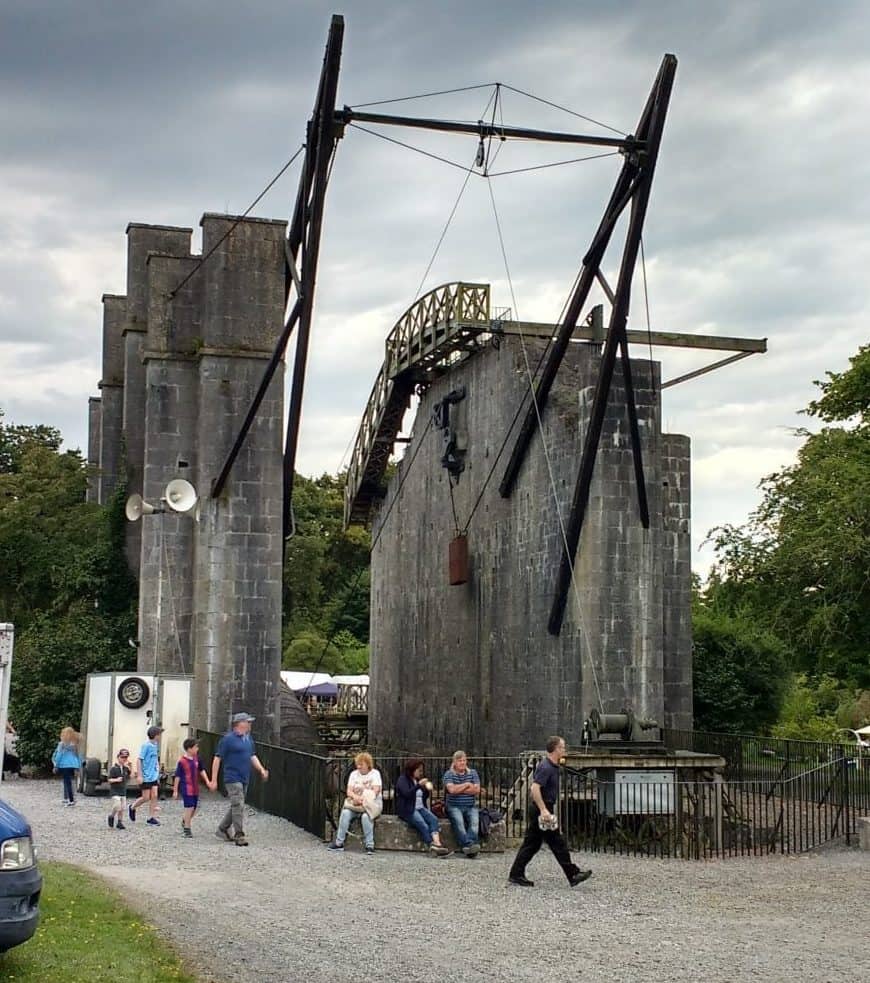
(67, 762)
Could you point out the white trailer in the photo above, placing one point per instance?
(7, 636)
(119, 708)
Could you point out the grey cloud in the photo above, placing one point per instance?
(159, 112)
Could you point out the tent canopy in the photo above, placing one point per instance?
(319, 683)
(316, 683)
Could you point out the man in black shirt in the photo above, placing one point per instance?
(545, 795)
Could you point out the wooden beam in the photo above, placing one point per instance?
(707, 368)
(665, 339)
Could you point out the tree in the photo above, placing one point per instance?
(799, 566)
(738, 673)
(325, 566)
(64, 583)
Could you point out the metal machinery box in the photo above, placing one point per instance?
(637, 793)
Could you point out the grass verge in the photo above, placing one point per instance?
(87, 935)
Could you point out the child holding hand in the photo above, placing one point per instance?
(187, 776)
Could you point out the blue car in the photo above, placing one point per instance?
(20, 879)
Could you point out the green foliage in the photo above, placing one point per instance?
(799, 566)
(64, 583)
(845, 394)
(52, 658)
(343, 653)
(326, 582)
(806, 711)
(737, 671)
(14, 439)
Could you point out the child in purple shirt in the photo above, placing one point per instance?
(187, 776)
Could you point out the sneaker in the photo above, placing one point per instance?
(152, 821)
(187, 831)
(370, 850)
(131, 812)
(579, 877)
(241, 839)
(336, 847)
(119, 825)
(439, 851)
(223, 834)
(521, 881)
(471, 850)
(112, 821)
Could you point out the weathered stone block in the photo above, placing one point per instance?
(392, 833)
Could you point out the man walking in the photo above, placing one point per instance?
(462, 787)
(542, 827)
(237, 752)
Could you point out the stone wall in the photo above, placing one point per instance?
(473, 666)
(180, 367)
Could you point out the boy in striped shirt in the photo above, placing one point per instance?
(187, 775)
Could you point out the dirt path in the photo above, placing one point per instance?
(286, 909)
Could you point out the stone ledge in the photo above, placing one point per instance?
(391, 833)
(863, 824)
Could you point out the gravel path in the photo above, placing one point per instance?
(286, 909)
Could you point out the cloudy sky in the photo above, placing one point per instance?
(158, 112)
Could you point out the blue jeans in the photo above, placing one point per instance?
(346, 818)
(425, 822)
(67, 775)
(465, 821)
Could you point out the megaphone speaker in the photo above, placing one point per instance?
(180, 495)
(136, 507)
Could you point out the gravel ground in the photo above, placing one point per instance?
(286, 909)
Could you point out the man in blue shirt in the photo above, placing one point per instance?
(462, 787)
(237, 752)
(148, 773)
(543, 822)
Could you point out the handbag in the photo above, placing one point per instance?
(372, 805)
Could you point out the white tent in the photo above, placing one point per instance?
(351, 680)
(299, 679)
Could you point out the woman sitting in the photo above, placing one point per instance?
(412, 794)
(364, 802)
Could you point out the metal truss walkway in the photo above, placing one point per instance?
(437, 330)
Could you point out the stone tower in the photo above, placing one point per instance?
(183, 353)
(473, 665)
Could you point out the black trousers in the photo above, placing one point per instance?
(533, 841)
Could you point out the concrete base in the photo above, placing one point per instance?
(391, 833)
(864, 832)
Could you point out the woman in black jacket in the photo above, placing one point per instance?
(412, 795)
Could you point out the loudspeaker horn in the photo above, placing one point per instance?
(136, 507)
(180, 495)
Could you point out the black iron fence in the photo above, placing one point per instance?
(773, 759)
(297, 787)
(504, 783)
(772, 797)
(701, 819)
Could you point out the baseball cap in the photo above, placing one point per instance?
(241, 718)
(123, 753)
(154, 731)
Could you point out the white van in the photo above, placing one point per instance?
(119, 708)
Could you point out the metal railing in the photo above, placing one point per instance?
(753, 758)
(501, 785)
(435, 330)
(786, 810)
(698, 820)
(297, 786)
